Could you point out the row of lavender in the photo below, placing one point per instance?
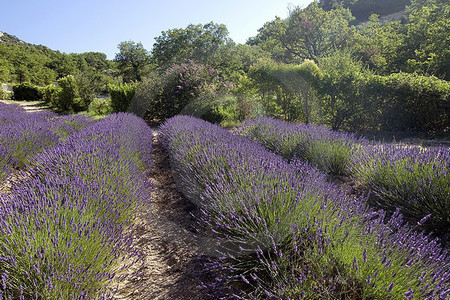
(285, 233)
(412, 179)
(67, 226)
(23, 134)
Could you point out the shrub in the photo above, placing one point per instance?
(66, 96)
(50, 92)
(26, 91)
(4, 95)
(187, 88)
(100, 106)
(410, 101)
(63, 95)
(284, 232)
(329, 151)
(412, 179)
(121, 96)
(66, 226)
(24, 135)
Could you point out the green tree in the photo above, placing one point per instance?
(62, 64)
(195, 42)
(267, 39)
(427, 44)
(287, 90)
(339, 87)
(378, 44)
(362, 9)
(132, 60)
(312, 32)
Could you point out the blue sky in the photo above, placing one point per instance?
(100, 25)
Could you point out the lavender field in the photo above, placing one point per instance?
(66, 225)
(285, 231)
(280, 227)
(411, 179)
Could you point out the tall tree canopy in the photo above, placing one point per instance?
(196, 42)
(312, 32)
(132, 60)
(427, 45)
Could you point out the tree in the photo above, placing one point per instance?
(378, 44)
(267, 40)
(339, 89)
(187, 88)
(313, 32)
(427, 45)
(196, 42)
(132, 60)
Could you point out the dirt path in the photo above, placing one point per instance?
(29, 106)
(167, 239)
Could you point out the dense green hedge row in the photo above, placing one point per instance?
(343, 95)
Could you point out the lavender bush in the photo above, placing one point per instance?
(23, 134)
(409, 178)
(327, 150)
(66, 226)
(285, 233)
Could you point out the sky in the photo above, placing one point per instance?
(78, 26)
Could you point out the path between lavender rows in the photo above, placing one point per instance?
(167, 238)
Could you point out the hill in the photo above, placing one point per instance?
(10, 39)
(362, 9)
(24, 62)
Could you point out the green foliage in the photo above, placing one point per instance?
(88, 84)
(286, 90)
(66, 97)
(362, 9)
(26, 91)
(23, 62)
(427, 45)
(50, 92)
(196, 42)
(312, 32)
(377, 44)
(132, 61)
(4, 95)
(410, 101)
(121, 96)
(100, 107)
(189, 88)
(267, 39)
(339, 89)
(62, 96)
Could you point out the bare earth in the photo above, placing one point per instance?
(167, 239)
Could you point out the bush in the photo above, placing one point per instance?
(50, 92)
(346, 96)
(4, 95)
(187, 88)
(66, 98)
(410, 101)
(121, 96)
(412, 179)
(26, 91)
(62, 95)
(284, 232)
(68, 223)
(100, 106)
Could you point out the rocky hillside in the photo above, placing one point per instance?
(10, 39)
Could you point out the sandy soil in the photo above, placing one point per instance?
(167, 239)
